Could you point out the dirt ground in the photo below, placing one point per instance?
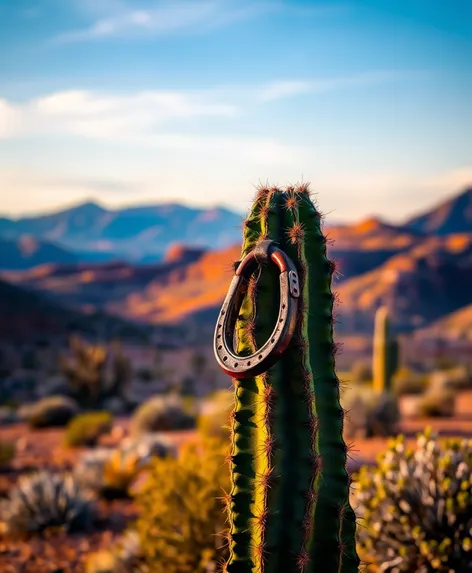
(61, 553)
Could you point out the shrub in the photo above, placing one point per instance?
(7, 416)
(7, 452)
(415, 507)
(437, 404)
(46, 500)
(52, 411)
(214, 419)
(125, 557)
(86, 429)
(94, 373)
(162, 413)
(181, 510)
(370, 414)
(147, 446)
(119, 473)
(361, 371)
(406, 381)
(89, 470)
(457, 379)
(111, 472)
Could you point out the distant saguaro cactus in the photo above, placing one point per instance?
(385, 352)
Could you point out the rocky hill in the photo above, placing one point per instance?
(452, 216)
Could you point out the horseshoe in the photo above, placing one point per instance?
(246, 366)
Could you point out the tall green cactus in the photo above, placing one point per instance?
(385, 352)
(289, 509)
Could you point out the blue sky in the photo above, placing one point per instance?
(144, 101)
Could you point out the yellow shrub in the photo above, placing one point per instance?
(182, 511)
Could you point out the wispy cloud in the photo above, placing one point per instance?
(283, 89)
(145, 115)
(166, 17)
(105, 116)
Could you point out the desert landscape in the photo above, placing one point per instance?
(235, 286)
(108, 365)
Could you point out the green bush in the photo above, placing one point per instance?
(7, 452)
(181, 520)
(162, 413)
(46, 500)
(54, 411)
(369, 414)
(86, 429)
(415, 508)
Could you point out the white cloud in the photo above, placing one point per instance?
(143, 114)
(106, 116)
(165, 16)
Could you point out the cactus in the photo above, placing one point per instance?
(289, 505)
(385, 353)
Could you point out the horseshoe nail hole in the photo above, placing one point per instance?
(222, 312)
(249, 363)
(235, 364)
(281, 320)
(283, 306)
(260, 356)
(273, 340)
(220, 347)
(225, 358)
(219, 336)
(219, 326)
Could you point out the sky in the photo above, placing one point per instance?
(144, 101)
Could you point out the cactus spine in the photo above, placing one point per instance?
(385, 352)
(289, 505)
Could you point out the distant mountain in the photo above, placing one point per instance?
(420, 285)
(452, 216)
(420, 270)
(26, 252)
(363, 246)
(138, 234)
(192, 291)
(88, 286)
(457, 325)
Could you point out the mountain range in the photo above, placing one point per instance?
(421, 269)
(91, 233)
